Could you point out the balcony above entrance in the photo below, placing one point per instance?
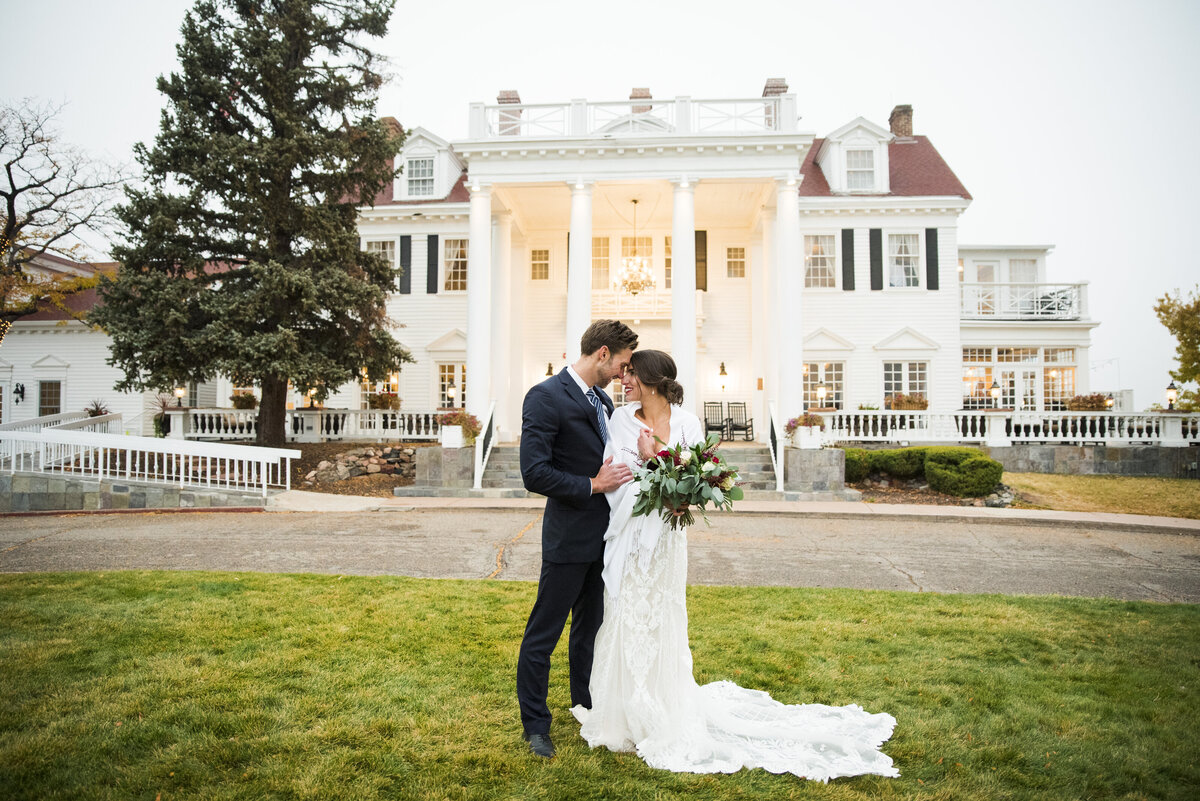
(653, 304)
(638, 117)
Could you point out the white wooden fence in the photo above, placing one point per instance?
(182, 463)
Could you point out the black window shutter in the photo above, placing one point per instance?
(404, 283)
(702, 260)
(431, 264)
(876, 258)
(848, 259)
(931, 258)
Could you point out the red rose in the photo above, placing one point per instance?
(716, 460)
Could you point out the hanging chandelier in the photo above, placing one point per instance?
(634, 276)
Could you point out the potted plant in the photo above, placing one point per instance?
(805, 430)
(243, 400)
(914, 401)
(96, 409)
(457, 428)
(1096, 402)
(384, 400)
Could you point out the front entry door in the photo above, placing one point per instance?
(1018, 390)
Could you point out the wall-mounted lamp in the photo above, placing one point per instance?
(179, 393)
(19, 393)
(549, 369)
(724, 375)
(1172, 396)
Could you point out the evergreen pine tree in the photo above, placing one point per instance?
(241, 255)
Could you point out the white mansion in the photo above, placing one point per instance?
(777, 267)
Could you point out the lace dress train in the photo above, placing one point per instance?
(644, 696)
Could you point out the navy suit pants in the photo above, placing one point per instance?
(577, 589)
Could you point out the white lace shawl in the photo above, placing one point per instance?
(627, 535)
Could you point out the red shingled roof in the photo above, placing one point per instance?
(915, 169)
(77, 302)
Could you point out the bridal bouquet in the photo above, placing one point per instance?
(676, 479)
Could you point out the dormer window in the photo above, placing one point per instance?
(420, 177)
(860, 170)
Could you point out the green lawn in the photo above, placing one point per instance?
(220, 686)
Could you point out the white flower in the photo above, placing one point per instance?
(685, 457)
(727, 483)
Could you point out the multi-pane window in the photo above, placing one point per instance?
(1022, 271)
(826, 375)
(616, 391)
(600, 262)
(905, 378)
(1028, 378)
(420, 177)
(819, 261)
(977, 378)
(902, 255)
(539, 265)
(380, 394)
(735, 262)
(667, 269)
(49, 398)
(639, 247)
(452, 385)
(860, 169)
(384, 248)
(456, 265)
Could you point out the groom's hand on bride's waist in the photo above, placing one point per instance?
(611, 476)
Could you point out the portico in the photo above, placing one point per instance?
(551, 215)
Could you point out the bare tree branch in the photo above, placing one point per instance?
(51, 194)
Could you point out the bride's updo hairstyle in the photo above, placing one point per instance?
(656, 370)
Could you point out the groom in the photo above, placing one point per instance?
(564, 427)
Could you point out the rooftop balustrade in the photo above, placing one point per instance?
(636, 117)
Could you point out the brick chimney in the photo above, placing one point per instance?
(901, 122)
(640, 93)
(775, 86)
(510, 119)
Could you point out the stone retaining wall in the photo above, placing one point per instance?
(1144, 460)
(31, 492)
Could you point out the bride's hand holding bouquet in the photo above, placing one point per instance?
(674, 480)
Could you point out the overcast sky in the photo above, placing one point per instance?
(1066, 120)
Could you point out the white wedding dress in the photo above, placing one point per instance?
(644, 697)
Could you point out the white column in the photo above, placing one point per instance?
(788, 263)
(772, 333)
(479, 310)
(683, 290)
(502, 357)
(758, 323)
(579, 268)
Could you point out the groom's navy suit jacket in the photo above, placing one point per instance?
(561, 449)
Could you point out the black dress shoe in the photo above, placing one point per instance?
(540, 744)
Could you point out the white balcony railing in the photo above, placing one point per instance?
(1023, 301)
(637, 117)
(306, 425)
(1007, 428)
(652, 304)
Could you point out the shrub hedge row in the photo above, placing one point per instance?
(955, 471)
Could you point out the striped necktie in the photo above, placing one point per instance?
(600, 416)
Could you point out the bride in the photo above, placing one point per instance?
(644, 697)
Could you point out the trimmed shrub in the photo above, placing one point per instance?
(961, 471)
(898, 462)
(857, 465)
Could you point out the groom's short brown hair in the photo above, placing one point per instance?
(613, 333)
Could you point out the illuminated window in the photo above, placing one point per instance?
(539, 265)
(456, 265)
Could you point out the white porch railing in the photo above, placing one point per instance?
(775, 443)
(206, 465)
(999, 429)
(306, 425)
(47, 421)
(484, 443)
(635, 117)
(1023, 301)
(101, 424)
